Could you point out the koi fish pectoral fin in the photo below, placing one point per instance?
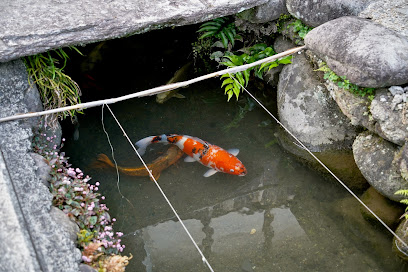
(189, 159)
(233, 151)
(210, 172)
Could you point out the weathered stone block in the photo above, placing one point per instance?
(375, 157)
(368, 54)
(317, 12)
(38, 26)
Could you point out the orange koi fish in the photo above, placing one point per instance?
(171, 156)
(212, 156)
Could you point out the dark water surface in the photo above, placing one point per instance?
(280, 217)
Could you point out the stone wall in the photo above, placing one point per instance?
(31, 233)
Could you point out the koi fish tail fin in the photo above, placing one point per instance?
(145, 142)
(102, 161)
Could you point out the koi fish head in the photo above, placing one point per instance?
(238, 169)
(223, 161)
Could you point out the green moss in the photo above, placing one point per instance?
(344, 83)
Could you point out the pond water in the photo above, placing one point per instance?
(281, 216)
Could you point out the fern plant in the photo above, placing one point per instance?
(234, 83)
(404, 192)
(222, 29)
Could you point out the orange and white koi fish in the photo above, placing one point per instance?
(212, 156)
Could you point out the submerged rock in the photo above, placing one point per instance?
(375, 157)
(391, 117)
(397, 246)
(384, 208)
(317, 12)
(368, 54)
(360, 231)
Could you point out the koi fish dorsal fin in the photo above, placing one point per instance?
(210, 172)
(234, 151)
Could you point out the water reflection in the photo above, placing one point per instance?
(235, 236)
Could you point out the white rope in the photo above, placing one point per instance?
(325, 167)
(161, 191)
(156, 90)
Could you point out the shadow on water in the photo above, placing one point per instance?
(280, 217)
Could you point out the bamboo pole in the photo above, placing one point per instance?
(155, 90)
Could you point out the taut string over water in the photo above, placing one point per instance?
(160, 189)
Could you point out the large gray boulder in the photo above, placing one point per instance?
(376, 159)
(306, 109)
(317, 12)
(368, 54)
(392, 14)
(41, 25)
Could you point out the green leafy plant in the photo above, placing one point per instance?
(344, 83)
(234, 83)
(57, 89)
(300, 28)
(404, 192)
(222, 29)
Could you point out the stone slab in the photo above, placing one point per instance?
(40, 243)
(28, 27)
